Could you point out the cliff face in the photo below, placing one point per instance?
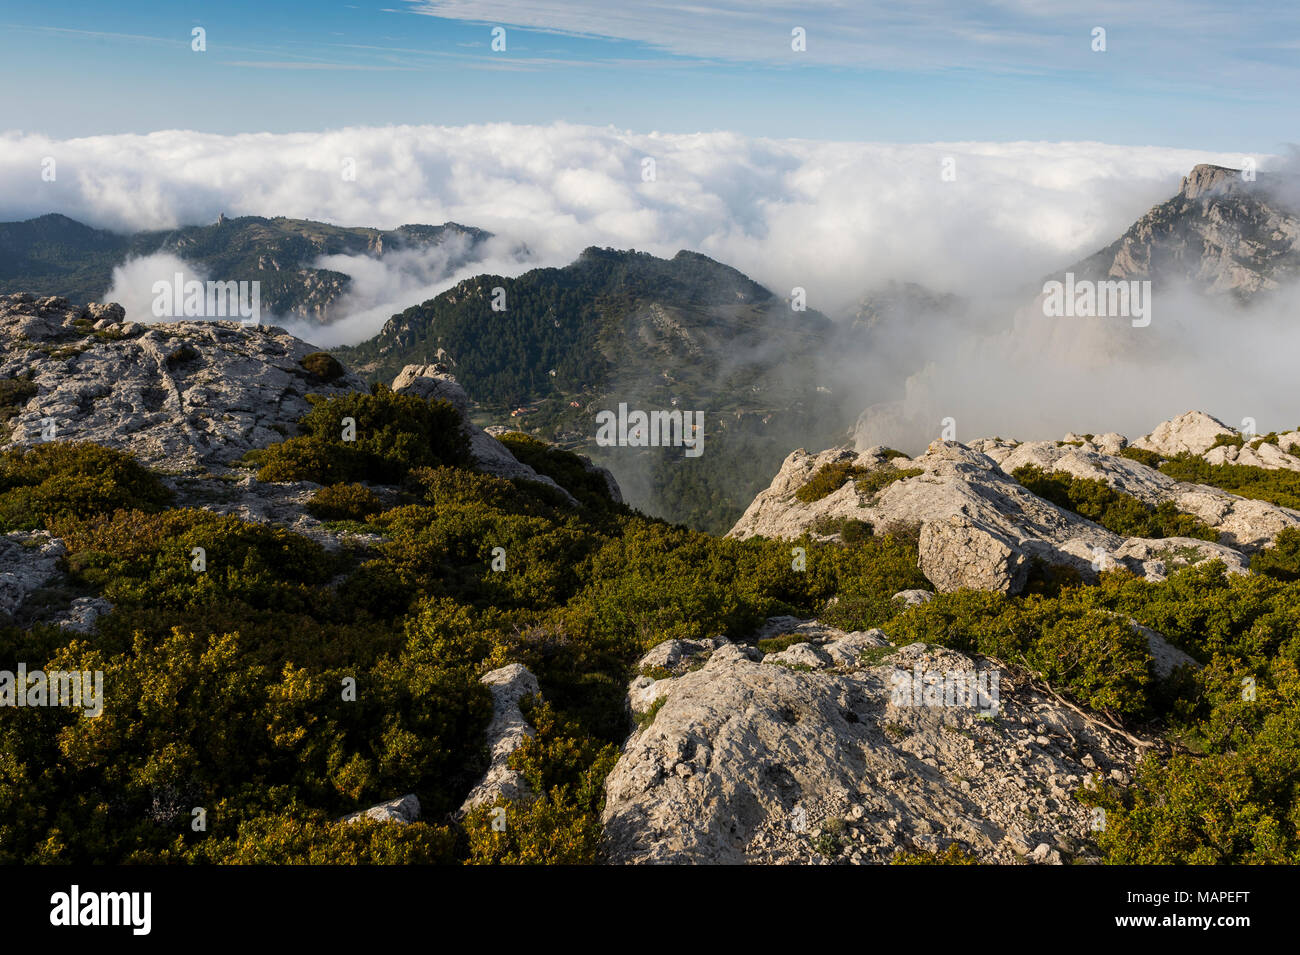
(1222, 234)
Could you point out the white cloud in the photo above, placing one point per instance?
(834, 218)
(133, 283)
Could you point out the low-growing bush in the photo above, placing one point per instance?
(1282, 560)
(1118, 512)
(344, 502)
(850, 530)
(563, 467)
(54, 483)
(828, 479)
(1142, 456)
(395, 433)
(831, 477)
(14, 395)
(323, 366)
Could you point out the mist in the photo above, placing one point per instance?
(839, 220)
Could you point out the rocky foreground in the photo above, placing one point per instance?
(832, 746)
(827, 751)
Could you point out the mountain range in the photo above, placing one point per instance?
(548, 350)
(56, 255)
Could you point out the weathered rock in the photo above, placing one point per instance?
(801, 655)
(403, 810)
(910, 598)
(848, 649)
(236, 389)
(958, 553)
(432, 383)
(27, 563)
(507, 730)
(746, 762)
(672, 654)
(1267, 455)
(81, 615)
(1194, 433)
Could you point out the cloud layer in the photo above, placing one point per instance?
(833, 218)
(838, 219)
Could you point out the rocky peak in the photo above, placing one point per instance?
(1219, 234)
(1193, 432)
(1205, 179)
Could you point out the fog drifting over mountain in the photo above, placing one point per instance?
(836, 219)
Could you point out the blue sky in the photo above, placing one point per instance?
(1217, 75)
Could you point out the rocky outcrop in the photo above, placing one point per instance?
(182, 397)
(434, 382)
(1192, 433)
(190, 398)
(508, 729)
(980, 528)
(1224, 232)
(1242, 523)
(403, 810)
(812, 755)
(27, 563)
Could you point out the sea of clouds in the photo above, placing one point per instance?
(834, 218)
(837, 219)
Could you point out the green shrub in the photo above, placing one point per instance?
(563, 467)
(877, 479)
(1281, 560)
(1118, 512)
(323, 366)
(561, 824)
(1228, 441)
(344, 502)
(828, 479)
(394, 434)
(782, 641)
(60, 481)
(148, 559)
(290, 839)
(953, 855)
(850, 530)
(15, 393)
(1142, 456)
(1090, 654)
(831, 477)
